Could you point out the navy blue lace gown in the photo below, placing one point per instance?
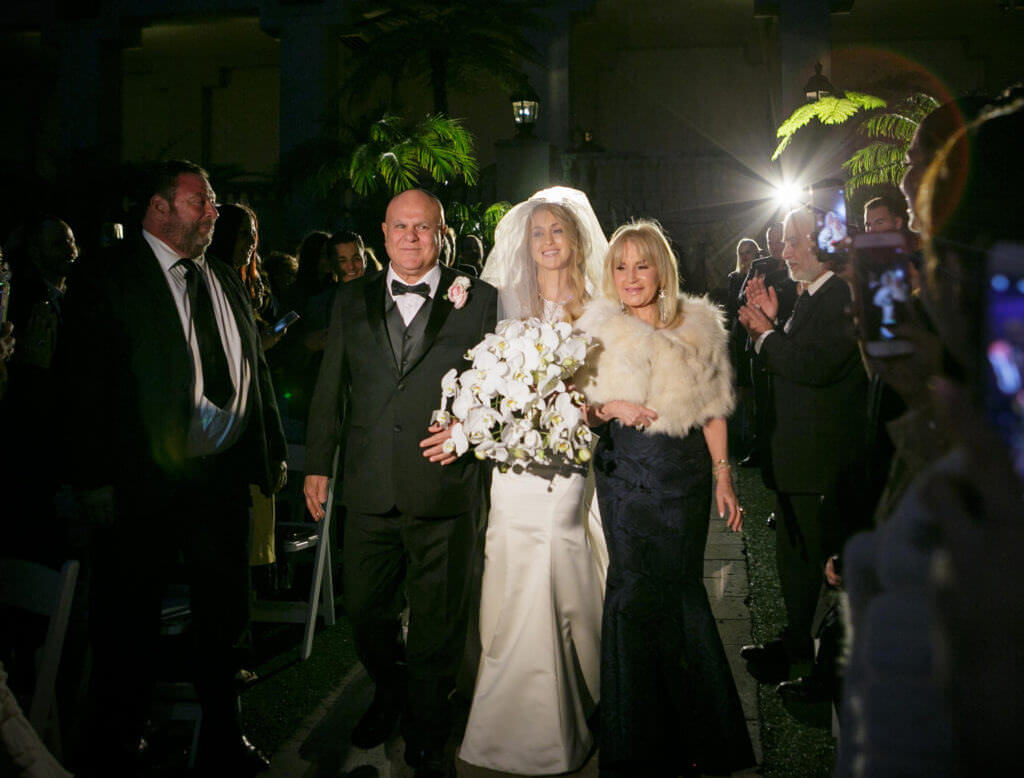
(668, 700)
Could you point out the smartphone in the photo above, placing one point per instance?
(285, 322)
(762, 267)
(829, 205)
(882, 277)
(1003, 345)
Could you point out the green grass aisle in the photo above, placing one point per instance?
(797, 742)
(289, 690)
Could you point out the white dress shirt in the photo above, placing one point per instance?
(814, 287)
(409, 304)
(211, 429)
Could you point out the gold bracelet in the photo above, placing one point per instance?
(720, 468)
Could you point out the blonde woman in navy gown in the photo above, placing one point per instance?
(660, 389)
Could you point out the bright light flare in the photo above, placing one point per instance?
(789, 195)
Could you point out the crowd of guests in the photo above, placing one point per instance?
(884, 464)
(163, 378)
(94, 385)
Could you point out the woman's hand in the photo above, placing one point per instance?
(728, 506)
(269, 339)
(630, 414)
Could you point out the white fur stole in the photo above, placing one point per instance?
(683, 373)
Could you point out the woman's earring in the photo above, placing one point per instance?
(661, 305)
(622, 307)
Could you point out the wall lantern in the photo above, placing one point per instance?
(817, 86)
(525, 107)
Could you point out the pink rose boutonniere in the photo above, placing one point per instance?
(458, 292)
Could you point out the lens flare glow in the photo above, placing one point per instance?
(789, 195)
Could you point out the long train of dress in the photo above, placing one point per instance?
(540, 627)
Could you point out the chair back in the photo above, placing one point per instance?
(38, 589)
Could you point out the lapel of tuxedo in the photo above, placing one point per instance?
(373, 294)
(439, 310)
(152, 315)
(156, 303)
(237, 300)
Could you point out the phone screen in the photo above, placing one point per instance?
(286, 321)
(882, 273)
(1004, 345)
(829, 205)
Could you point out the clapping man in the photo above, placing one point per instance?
(819, 397)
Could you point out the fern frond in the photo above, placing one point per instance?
(799, 118)
(917, 106)
(890, 174)
(864, 102)
(893, 126)
(836, 110)
(875, 156)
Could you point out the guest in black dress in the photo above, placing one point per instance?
(659, 384)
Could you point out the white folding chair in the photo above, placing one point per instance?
(38, 589)
(321, 589)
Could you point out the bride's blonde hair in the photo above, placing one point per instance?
(579, 248)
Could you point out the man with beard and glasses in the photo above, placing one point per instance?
(171, 416)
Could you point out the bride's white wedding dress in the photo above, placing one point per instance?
(540, 624)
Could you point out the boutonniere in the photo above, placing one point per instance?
(458, 292)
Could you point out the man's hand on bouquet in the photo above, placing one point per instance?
(433, 446)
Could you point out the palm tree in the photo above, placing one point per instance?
(398, 155)
(477, 218)
(460, 44)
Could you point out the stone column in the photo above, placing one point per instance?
(309, 109)
(550, 78)
(309, 82)
(523, 165)
(88, 87)
(308, 34)
(804, 39)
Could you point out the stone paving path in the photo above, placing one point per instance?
(320, 749)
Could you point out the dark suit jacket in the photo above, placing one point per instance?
(819, 388)
(128, 373)
(388, 411)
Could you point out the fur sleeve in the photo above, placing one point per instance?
(683, 373)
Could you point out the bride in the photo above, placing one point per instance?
(541, 597)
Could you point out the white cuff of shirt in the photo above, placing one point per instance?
(760, 340)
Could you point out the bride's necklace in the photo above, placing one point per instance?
(554, 302)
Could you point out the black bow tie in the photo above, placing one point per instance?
(397, 288)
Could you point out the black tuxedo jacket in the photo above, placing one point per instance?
(387, 410)
(819, 392)
(128, 373)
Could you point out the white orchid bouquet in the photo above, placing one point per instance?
(513, 404)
